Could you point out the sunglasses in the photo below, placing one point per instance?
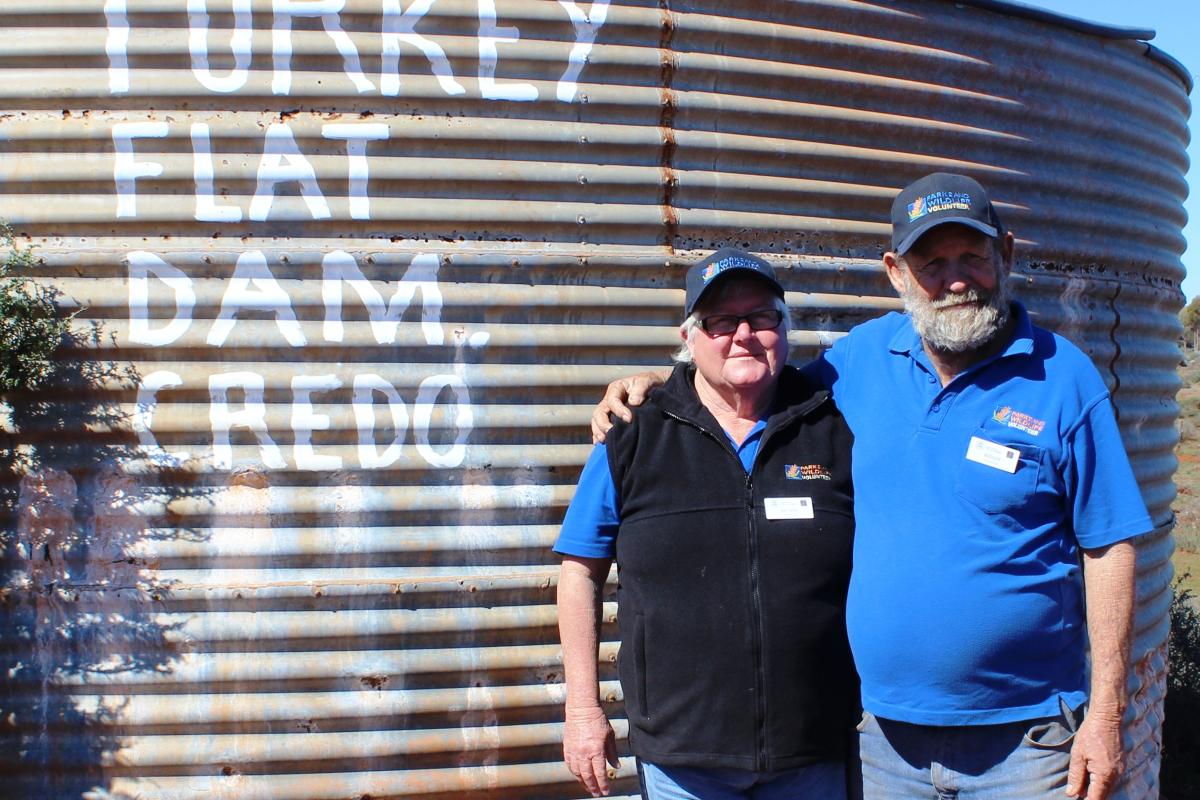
(725, 324)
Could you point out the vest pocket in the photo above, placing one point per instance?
(639, 661)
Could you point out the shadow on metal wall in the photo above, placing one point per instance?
(78, 601)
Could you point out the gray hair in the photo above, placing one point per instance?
(689, 327)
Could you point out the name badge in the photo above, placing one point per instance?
(788, 507)
(993, 455)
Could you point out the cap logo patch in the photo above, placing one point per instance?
(717, 267)
(1018, 420)
(938, 201)
(807, 472)
(916, 209)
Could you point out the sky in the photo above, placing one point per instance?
(1177, 23)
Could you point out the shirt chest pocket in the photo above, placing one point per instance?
(995, 490)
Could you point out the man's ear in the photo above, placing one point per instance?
(895, 271)
(1006, 254)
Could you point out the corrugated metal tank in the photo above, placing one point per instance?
(350, 276)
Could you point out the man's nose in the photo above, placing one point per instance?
(956, 278)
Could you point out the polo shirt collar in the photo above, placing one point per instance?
(906, 341)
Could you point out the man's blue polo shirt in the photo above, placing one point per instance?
(965, 603)
(590, 527)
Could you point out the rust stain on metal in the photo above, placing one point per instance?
(1116, 343)
(1144, 724)
(1150, 671)
(666, 123)
(326, 583)
(376, 682)
(245, 482)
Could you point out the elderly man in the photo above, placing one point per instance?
(988, 470)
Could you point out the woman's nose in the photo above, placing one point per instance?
(743, 331)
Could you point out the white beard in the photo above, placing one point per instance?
(949, 327)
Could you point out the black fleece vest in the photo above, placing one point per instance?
(733, 635)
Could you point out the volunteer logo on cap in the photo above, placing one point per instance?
(702, 275)
(729, 262)
(938, 199)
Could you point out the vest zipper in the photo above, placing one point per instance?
(760, 681)
(760, 687)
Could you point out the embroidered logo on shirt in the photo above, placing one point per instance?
(807, 472)
(1018, 420)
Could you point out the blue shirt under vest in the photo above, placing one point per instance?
(589, 529)
(971, 501)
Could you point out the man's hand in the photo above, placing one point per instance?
(589, 741)
(1097, 758)
(632, 391)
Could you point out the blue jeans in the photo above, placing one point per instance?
(1025, 760)
(824, 781)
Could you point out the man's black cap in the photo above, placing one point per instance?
(937, 199)
(702, 275)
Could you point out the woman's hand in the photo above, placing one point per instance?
(589, 742)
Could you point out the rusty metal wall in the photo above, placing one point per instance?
(349, 276)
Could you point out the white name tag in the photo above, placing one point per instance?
(788, 507)
(990, 454)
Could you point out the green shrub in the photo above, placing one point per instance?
(1181, 728)
(30, 329)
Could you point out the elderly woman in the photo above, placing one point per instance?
(727, 505)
